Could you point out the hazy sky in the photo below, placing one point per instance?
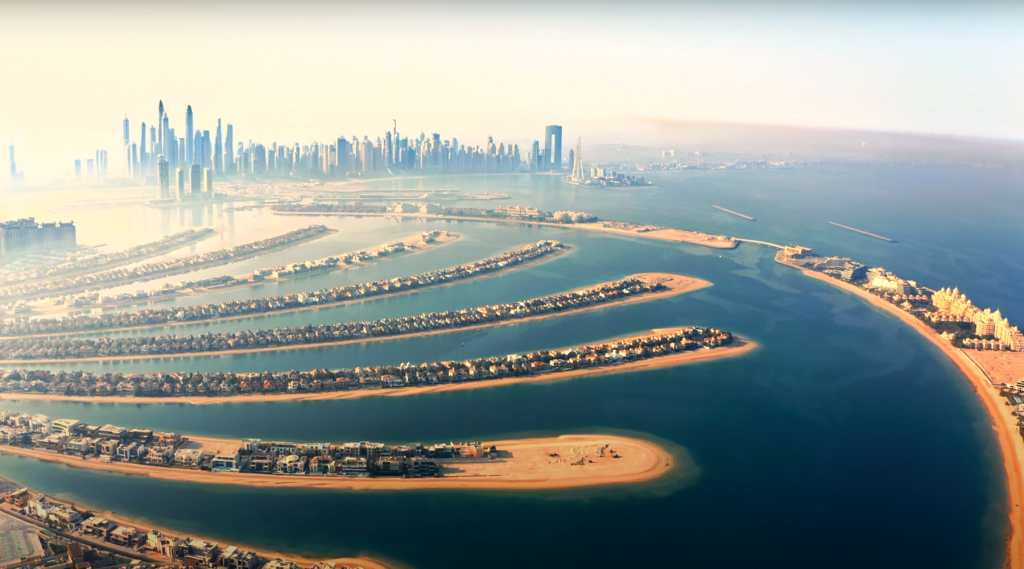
(295, 71)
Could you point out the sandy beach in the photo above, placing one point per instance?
(413, 245)
(569, 461)
(676, 285)
(738, 347)
(1003, 422)
(674, 235)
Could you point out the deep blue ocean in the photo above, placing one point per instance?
(845, 440)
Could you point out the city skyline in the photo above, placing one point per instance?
(877, 69)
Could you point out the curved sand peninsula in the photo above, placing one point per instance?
(674, 285)
(662, 234)
(1003, 422)
(413, 244)
(563, 250)
(569, 461)
(739, 346)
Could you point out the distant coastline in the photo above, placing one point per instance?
(673, 235)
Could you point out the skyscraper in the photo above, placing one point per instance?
(196, 178)
(179, 182)
(165, 128)
(164, 175)
(197, 147)
(160, 125)
(205, 151)
(552, 148)
(535, 156)
(218, 152)
(229, 150)
(140, 170)
(577, 163)
(78, 169)
(189, 150)
(127, 152)
(90, 166)
(207, 183)
(14, 165)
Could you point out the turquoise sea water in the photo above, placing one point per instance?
(846, 440)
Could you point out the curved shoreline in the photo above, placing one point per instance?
(667, 234)
(1004, 424)
(527, 264)
(364, 562)
(738, 347)
(689, 284)
(527, 465)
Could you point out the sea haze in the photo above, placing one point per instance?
(845, 440)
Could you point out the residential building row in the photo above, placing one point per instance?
(170, 242)
(229, 384)
(195, 313)
(152, 270)
(948, 311)
(179, 551)
(72, 347)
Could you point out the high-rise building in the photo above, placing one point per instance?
(535, 156)
(179, 182)
(15, 176)
(78, 169)
(552, 148)
(197, 148)
(206, 152)
(196, 177)
(229, 150)
(140, 171)
(24, 235)
(90, 166)
(164, 176)
(577, 163)
(208, 183)
(127, 154)
(182, 154)
(134, 171)
(189, 149)
(160, 125)
(218, 152)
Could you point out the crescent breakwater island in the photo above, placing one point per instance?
(513, 214)
(266, 275)
(986, 348)
(662, 348)
(519, 258)
(145, 272)
(642, 287)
